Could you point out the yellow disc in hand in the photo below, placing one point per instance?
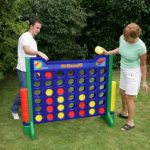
(99, 50)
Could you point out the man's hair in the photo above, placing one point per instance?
(33, 21)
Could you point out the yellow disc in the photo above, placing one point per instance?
(39, 65)
(99, 50)
(61, 115)
(60, 107)
(92, 103)
(82, 97)
(49, 92)
(60, 99)
(38, 118)
(92, 111)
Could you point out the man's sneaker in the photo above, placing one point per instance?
(15, 116)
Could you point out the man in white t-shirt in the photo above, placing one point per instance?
(27, 47)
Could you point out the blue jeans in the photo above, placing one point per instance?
(22, 84)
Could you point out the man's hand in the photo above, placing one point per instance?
(44, 56)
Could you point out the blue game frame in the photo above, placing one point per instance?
(92, 72)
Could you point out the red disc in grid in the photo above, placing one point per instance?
(60, 91)
(101, 110)
(71, 114)
(49, 100)
(48, 75)
(50, 117)
(49, 109)
(82, 105)
(82, 113)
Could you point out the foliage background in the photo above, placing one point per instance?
(71, 28)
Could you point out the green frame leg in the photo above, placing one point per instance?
(109, 117)
(28, 129)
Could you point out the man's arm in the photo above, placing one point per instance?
(29, 51)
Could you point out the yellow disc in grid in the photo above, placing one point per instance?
(49, 92)
(60, 99)
(61, 115)
(60, 107)
(39, 65)
(82, 97)
(92, 111)
(92, 103)
(38, 118)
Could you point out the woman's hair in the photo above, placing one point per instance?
(132, 30)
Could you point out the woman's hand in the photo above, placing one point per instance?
(144, 86)
(105, 52)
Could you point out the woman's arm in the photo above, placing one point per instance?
(144, 71)
(112, 52)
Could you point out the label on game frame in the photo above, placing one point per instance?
(40, 65)
(79, 65)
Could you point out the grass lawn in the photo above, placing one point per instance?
(80, 134)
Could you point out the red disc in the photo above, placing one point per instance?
(49, 100)
(101, 110)
(50, 117)
(71, 114)
(82, 113)
(48, 75)
(49, 109)
(82, 105)
(60, 91)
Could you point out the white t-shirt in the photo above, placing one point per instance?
(25, 39)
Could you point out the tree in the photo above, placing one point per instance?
(62, 24)
(10, 28)
(109, 17)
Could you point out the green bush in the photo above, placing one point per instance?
(62, 24)
(10, 28)
(71, 28)
(107, 20)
